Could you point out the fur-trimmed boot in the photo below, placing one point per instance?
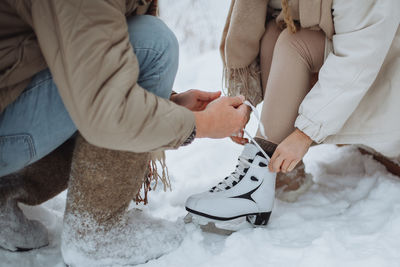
(32, 185)
(392, 165)
(289, 186)
(98, 228)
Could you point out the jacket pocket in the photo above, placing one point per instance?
(16, 151)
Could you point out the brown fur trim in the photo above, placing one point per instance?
(291, 181)
(391, 166)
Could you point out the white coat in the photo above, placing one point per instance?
(357, 97)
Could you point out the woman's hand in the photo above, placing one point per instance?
(290, 152)
(195, 100)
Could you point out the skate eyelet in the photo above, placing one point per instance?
(260, 154)
(262, 164)
(254, 179)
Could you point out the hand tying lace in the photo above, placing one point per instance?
(244, 164)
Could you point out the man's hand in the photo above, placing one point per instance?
(290, 152)
(222, 118)
(195, 100)
(238, 138)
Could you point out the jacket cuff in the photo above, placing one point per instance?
(191, 138)
(188, 128)
(312, 129)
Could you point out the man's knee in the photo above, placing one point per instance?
(150, 32)
(157, 51)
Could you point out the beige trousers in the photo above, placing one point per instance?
(288, 64)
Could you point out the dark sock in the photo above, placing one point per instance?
(267, 146)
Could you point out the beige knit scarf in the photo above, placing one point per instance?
(240, 47)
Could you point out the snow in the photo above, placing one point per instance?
(349, 217)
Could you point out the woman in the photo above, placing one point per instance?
(353, 46)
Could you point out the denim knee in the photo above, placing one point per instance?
(157, 51)
(35, 124)
(156, 30)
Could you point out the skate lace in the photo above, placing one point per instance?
(260, 126)
(244, 163)
(234, 177)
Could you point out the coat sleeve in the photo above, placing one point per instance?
(364, 32)
(86, 46)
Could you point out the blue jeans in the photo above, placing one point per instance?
(37, 122)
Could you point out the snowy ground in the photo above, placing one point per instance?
(349, 217)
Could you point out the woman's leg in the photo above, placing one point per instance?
(287, 78)
(268, 43)
(295, 58)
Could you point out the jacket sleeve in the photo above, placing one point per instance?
(86, 46)
(364, 32)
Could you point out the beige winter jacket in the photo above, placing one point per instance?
(85, 44)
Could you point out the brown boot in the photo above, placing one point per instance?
(98, 229)
(390, 165)
(33, 185)
(289, 186)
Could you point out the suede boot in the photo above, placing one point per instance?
(289, 186)
(98, 229)
(32, 185)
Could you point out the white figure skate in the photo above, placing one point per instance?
(248, 192)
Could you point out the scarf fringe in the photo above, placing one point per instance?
(153, 176)
(244, 81)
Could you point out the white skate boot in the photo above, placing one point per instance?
(249, 191)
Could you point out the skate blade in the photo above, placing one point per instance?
(218, 227)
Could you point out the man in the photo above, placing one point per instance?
(99, 68)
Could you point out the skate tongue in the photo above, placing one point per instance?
(249, 151)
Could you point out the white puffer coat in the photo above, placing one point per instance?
(357, 97)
